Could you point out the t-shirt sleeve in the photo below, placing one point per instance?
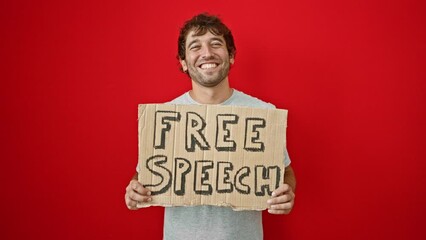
(287, 160)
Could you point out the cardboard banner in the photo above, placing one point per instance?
(211, 155)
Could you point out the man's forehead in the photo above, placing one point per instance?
(193, 35)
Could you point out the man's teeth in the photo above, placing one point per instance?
(208, 65)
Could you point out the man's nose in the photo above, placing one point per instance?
(207, 52)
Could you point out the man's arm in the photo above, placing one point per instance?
(136, 193)
(290, 178)
(282, 200)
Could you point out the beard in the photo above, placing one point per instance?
(209, 79)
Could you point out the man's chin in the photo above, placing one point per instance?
(209, 84)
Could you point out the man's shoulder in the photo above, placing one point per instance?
(242, 99)
(182, 99)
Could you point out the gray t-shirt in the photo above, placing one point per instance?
(210, 222)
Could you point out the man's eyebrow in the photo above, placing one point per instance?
(212, 39)
(193, 41)
(217, 39)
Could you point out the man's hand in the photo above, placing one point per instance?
(136, 193)
(282, 200)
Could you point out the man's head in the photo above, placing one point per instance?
(200, 24)
(205, 50)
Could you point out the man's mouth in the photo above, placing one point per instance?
(208, 65)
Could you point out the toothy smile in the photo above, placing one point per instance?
(208, 65)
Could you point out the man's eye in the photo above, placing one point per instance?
(194, 47)
(217, 44)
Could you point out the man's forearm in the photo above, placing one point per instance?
(290, 178)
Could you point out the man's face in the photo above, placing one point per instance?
(207, 59)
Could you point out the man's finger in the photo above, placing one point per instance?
(281, 199)
(130, 203)
(136, 186)
(134, 196)
(282, 206)
(280, 190)
(271, 211)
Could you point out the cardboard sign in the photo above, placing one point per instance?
(211, 155)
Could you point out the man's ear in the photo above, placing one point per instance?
(231, 59)
(183, 64)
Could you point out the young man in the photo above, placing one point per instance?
(206, 50)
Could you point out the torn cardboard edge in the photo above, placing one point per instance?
(211, 155)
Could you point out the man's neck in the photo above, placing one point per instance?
(211, 95)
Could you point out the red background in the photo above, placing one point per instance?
(351, 74)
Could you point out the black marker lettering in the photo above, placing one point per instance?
(263, 177)
(202, 177)
(162, 125)
(195, 124)
(223, 141)
(251, 141)
(238, 180)
(223, 185)
(154, 165)
(182, 168)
